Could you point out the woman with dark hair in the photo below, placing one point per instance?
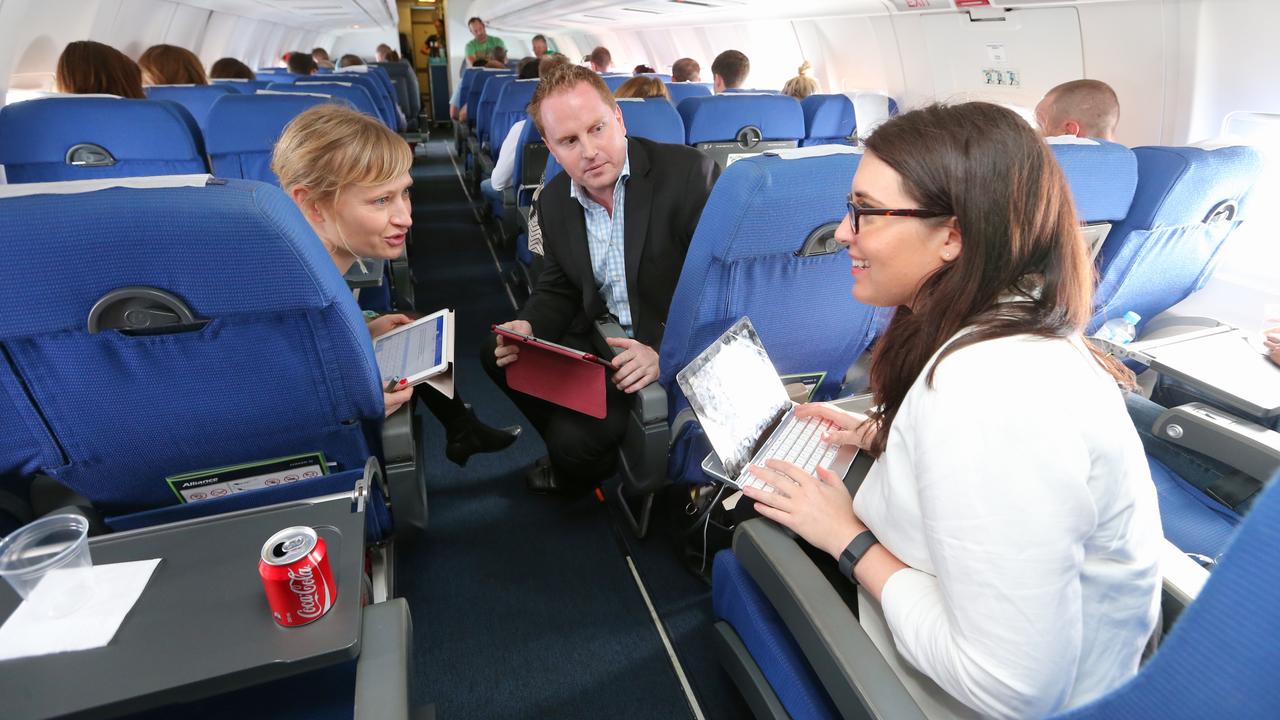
(231, 69)
(1009, 528)
(91, 68)
(171, 65)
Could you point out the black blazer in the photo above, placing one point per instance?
(667, 189)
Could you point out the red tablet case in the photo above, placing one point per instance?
(567, 378)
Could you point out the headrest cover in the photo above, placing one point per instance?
(813, 151)
(1102, 176)
(718, 118)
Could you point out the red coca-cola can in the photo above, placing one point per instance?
(295, 573)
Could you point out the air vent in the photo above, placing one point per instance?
(646, 12)
(597, 17)
(694, 2)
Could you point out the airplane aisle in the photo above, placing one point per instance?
(522, 605)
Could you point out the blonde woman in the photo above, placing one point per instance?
(802, 85)
(349, 175)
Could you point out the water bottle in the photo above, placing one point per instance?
(1121, 330)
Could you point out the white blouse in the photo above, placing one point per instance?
(1017, 491)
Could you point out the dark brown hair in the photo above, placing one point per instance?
(301, 63)
(563, 77)
(602, 58)
(87, 67)
(231, 68)
(987, 168)
(172, 65)
(732, 67)
(685, 69)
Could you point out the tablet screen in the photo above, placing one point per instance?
(412, 352)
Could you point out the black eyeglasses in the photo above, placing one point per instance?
(856, 212)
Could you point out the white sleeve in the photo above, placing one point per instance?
(1005, 509)
(501, 176)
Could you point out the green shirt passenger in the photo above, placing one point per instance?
(482, 44)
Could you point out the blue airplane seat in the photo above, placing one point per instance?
(48, 140)
(614, 81)
(244, 87)
(381, 109)
(1188, 202)
(243, 130)
(1209, 663)
(653, 119)
(405, 81)
(380, 86)
(189, 327)
(478, 83)
(197, 99)
(511, 107)
(750, 91)
(681, 90)
(828, 120)
(1192, 521)
(484, 108)
(762, 214)
(1103, 177)
(730, 127)
(356, 97)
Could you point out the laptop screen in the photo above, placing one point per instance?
(736, 394)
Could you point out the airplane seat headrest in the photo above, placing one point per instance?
(719, 118)
(1182, 185)
(197, 99)
(50, 139)
(652, 118)
(243, 130)
(1103, 177)
(827, 118)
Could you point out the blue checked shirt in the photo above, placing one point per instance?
(606, 241)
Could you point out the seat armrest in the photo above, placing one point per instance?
(405, 488)
(651, 401)
(1244, 445)
(859, 680)
(1182, 577)
(385, 664)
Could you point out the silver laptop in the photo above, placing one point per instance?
(736, 394)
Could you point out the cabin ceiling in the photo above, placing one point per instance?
(626, 14)
(317, 15)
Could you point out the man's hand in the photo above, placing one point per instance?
(634, 367)
(508, 353)
(384, 324)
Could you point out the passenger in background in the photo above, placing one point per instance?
(349, 175)
(497, 58)
(686, 70)
(500, 178)
(616, 225)
(643, 86)
(801, 86)
(380, 52)
(321, 56)
(92, 68)
(1084, 108)
(481, 44)
(600, 59)
(392, 56)
(231, 69)
(171, 65)
(301, 63)
(539, 43)
(350, 60)
(1015, 554)
(729, 70)
(643, 70)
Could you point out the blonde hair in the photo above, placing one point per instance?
(643, 86)
(329, 146)
(801, 86)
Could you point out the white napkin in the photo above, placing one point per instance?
(117, 588)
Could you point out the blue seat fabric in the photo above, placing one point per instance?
(243, 130)
(681, 90)
(1103, 178)
(284, 364)
(1192, 521)
(510, 108)
(146, 137)
(738, 600)
(478, 84)
(197, 99)
(828, 120)
(381, 105)
(484, 107)
(718, 118)
(356, 97)
(654, 119)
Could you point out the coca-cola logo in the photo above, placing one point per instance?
(303, 583)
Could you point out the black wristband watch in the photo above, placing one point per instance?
(854, 552)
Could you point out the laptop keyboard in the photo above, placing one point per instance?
(799, 443)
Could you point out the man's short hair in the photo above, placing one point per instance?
(474, 20)
(301, 63)
(685, 70)
(320, 54)
(560, 78)
(602, 57)
(1091, 103)
(536, 38)
(350, 60)
(732, 67)
(527, 69)
(498, 53)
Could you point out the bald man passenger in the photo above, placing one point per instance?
(1084, 108)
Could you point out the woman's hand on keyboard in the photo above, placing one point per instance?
(819, 509)
(851, 428)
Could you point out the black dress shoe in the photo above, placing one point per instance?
(542, 479)
(475, 437)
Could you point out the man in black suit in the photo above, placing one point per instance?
(616, 225)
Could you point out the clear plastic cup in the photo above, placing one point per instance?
(47, 562)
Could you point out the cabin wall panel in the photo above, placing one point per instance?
(846, 54)
(1236, 64)
(32, 35)
(137, 25)
(361, 42)
(187, 28)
